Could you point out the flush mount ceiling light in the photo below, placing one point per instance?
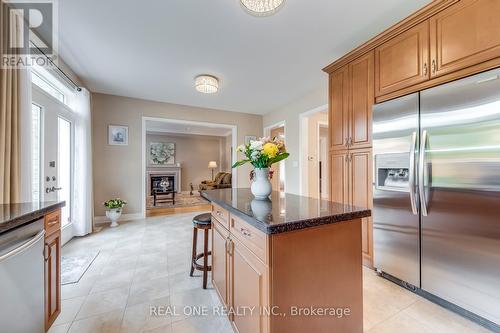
(206, 84)
(262, 7)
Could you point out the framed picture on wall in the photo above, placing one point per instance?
(118, 135)
(161, 154)
(249, 138)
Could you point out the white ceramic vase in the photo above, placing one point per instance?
(114, 214)
(261, 185)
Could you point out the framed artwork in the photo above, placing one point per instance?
(161, 153)
(117, 135)
(249, 138)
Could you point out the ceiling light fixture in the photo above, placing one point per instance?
(262, 7)
(206, 84)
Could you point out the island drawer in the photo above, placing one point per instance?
(251, 237)
(221, 215)
(52, 222)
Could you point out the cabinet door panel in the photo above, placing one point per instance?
(361, 175)
(362, 99)
(464, 35)
(250, 290)
(52, 278)
(402, 61)
(339, 109)
(339, 181)
(219, 262)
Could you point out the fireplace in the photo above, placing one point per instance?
(162, 183)
(169, 178)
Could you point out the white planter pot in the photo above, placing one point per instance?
(114, 214)
(261, 185)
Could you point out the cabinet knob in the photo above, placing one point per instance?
(425, 69)
(433, 66)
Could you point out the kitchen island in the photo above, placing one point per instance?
(287, 264)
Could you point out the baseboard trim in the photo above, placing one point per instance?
(124, 217)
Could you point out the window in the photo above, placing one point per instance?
(48, 87)
(36, 114)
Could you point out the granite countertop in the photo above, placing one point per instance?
(283, 211)
(18, 214)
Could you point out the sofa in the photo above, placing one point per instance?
(221, 180)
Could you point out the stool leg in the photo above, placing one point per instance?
(193, 256)
(205, 259)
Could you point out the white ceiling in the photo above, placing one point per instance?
(153, 49)
(186, 128)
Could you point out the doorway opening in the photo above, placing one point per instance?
(182, 157)
(314, 164)
(278, 170)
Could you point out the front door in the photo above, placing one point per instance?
(52, 141)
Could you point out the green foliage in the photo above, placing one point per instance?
(115, 203)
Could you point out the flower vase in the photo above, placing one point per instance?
(261, 185)
(114, 214)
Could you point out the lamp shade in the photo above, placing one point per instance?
(212, 164)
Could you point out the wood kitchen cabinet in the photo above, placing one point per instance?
(250, 284)
(403, 61)
(240, 277)
(463, 35)
(351, 184)
(351, 101)
(220, 270)
(360, 193)
(339, 177)
(361, 101)
(339, 109)
(52, 256)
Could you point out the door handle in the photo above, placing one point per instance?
(411, 176)
(421, 177)
(425, 69)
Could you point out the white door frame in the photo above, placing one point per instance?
(234, 144)
(267, 132)
(303, 135)
(65, 112)
(319, 125)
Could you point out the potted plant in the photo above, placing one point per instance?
(114, 210)
(262, 154)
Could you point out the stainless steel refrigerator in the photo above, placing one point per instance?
(436, 209)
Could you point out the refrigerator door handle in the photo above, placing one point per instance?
(421, 176)
(411, 176)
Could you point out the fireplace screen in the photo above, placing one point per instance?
(162, 184)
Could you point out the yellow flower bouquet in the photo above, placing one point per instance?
(262, 153)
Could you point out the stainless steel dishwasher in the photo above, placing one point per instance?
(22, 279)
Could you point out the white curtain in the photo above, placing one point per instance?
(82, 201)
(26, 132)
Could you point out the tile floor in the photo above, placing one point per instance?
(145, 263)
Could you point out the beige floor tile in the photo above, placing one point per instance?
(206, 324)
(113, 280)
(73, 290)
(69, 309)
(109, 322)
(59, 328)
(401, 323)
(142, 291)
(141, 317)
(440, 319)
(194, 298)
(99, 303)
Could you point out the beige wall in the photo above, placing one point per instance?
(290, 114)
(193, 152)
(118, 169)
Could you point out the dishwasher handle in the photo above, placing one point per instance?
(24, 247)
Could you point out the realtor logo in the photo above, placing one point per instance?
(31, 31)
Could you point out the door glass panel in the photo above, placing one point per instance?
(64, 167)
(36, 113)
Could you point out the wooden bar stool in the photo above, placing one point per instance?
(202, 222)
